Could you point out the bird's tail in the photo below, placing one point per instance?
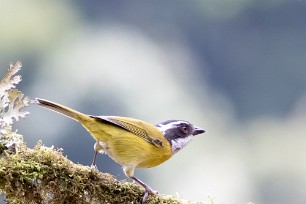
(78, 116)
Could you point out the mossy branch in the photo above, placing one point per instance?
(44, 175)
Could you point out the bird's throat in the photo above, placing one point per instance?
(179, 143)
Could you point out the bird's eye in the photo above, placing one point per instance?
(184, 129)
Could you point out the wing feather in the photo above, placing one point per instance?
(132, 125)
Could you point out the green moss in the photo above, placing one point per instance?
(44, 175)
(2, 148)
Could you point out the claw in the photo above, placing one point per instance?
(93, 167)
(146, 194)
(145, 197)
(147, 188)
(148, 191)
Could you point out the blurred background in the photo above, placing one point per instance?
(236, 68)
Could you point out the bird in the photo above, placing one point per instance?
(130, 142)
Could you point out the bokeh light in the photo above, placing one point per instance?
(235, 68)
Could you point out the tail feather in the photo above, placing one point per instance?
(78, 116)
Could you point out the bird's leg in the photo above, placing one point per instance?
(93, 165)
(98, 148)
(129, 172)
(147, 188)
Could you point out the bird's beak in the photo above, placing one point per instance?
(198, 131)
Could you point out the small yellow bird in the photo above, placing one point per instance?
(130, 142)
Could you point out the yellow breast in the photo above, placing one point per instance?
(127, 148)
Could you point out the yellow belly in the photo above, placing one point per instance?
(126, 148)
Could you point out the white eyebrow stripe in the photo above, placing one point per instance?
(170, 125)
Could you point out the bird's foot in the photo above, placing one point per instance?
(94, 167)
(148, 191)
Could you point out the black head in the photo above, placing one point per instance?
(178, 132)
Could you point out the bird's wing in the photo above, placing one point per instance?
(132, 125)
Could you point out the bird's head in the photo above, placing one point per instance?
(178, 133)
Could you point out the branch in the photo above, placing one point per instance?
(44, 175)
